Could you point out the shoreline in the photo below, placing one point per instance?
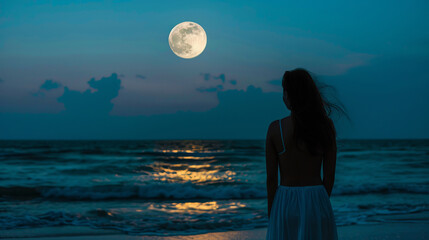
(413, 226)
(398, 230)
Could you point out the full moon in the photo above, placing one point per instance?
(187, 39)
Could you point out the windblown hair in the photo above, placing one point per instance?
(311, 111)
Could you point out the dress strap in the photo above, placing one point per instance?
(281, 134)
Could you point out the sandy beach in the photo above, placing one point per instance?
(401, 226)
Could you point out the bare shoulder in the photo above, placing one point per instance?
(273, 128)
(274, 124)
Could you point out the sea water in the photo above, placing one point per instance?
(176, 187)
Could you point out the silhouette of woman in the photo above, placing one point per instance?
(300, 208)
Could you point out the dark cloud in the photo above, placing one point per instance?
(221, 77)
(1, 80)
(49, 85)
(240, 114)
(377, 102)
(219, 87)
(121, 75)
(140, 76)
(92, 103)
(208, 76)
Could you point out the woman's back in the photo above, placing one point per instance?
(298, 167)
(301, 208)
(298, 146)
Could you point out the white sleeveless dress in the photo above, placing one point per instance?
(301, 213)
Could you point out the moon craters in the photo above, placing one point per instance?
(187, 40)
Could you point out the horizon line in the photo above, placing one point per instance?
(190, 139)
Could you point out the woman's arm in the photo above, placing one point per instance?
(329, 162)
(272, 167)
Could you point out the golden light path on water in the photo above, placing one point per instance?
(180, 173)
(196, 207)
(196, 150)
(195, 169)
(200, 172)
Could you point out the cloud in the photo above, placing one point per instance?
(219, 87)
(208, 76)
(92, 103)
(376, 95)
(49, 85)
(242, 114)
(46, 86)
(140, 76)
(221, 77)
(1, 80)
(233, 82)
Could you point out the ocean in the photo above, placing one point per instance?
(179, 187)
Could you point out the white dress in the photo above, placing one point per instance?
(299, 213)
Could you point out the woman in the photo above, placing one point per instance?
(300, 207)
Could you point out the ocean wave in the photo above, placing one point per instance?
(165, 225)
(364, 152)
(351, 214)
(189, 191)
(150, 191)
(160, 223)
(385, 188)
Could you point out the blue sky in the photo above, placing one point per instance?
(104, 69)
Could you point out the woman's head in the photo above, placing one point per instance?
(300, 91)
(310, 110)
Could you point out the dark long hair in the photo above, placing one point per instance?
(311, 110)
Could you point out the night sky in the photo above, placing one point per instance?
(104, 69)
